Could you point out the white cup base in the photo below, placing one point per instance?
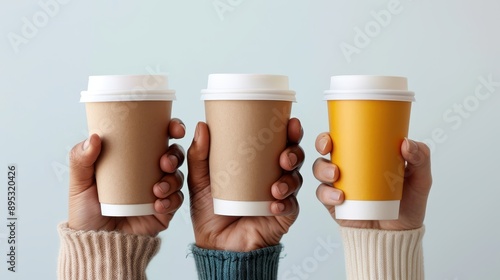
(367, 210)
(242, 208)
(127, 210)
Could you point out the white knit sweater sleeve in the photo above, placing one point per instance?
(103, 255)
(382, 254)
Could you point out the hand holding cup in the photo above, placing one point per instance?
(416, 187)
(84, 207)
(247, 233)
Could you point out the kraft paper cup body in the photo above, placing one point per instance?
(369, 119)
(247, 115)
(131, 114)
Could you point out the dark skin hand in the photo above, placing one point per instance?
(243, 234)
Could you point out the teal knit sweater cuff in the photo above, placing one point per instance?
(260, 264)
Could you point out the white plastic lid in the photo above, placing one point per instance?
(368, 210)
(127, 210)
(242, 208)
(127, 88)
(247, 87)
(367, 87)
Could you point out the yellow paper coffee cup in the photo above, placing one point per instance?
(369, 118)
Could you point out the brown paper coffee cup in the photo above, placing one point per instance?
(131, 115)
(369, 119)
(247, 116)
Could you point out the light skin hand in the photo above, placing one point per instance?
(416, 187)
(84, 207)
(243, 234)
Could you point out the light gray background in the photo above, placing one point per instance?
(443, 47)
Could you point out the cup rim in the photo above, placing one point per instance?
(248, 94)
(377, 94)
(127, 95)
(369, 87)
(134, 87)
(247, 86)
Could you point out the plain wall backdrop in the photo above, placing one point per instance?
(449, 50)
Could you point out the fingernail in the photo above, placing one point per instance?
(281, 206)
(174, 160)
(183, 126)
(328, 172)
(164, 187)
(196, 133)
(86, 144)
(292, 159)
(282, 188)
(322, 143)
(411, 146)
(335, 195)
(166, 203)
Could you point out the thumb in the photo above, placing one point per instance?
(82, 159)
(418, 168)
(197, 157)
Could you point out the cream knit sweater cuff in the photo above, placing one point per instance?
(382, 254)
(104, 255)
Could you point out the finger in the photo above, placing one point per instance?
(292, 158)
(169, 184)
(418, 168)
(288, 184)
(197, 157)
(82, 159)
(325, 171)
(172, 159)
(295, 131)
(324, 144)
(329, 195)
(169, 204)
(176, 128)
(285, 207)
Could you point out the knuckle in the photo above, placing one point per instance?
(298, 177)
(301, 152)
(425, 150)
(318, 192)
(180, 178)
(74, 155)
(191, 152)
(317, 166)
(180, 195)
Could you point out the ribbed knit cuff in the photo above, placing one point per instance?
(261, 264)
(86, 255)
(383, 254)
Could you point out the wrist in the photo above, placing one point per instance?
(260, 264)
(83, 254)
(236, 245)
(381, 254)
